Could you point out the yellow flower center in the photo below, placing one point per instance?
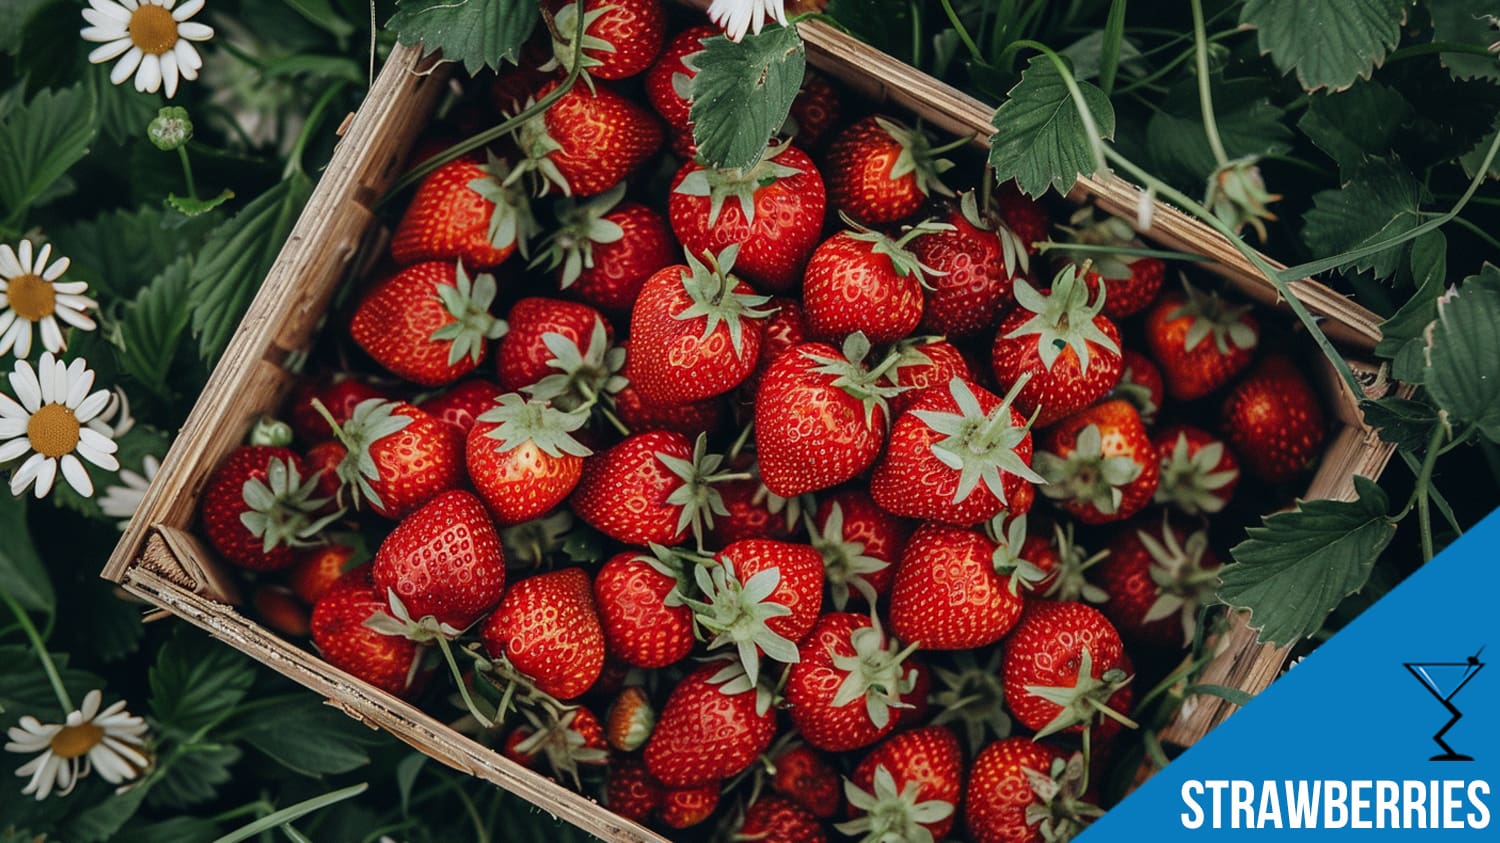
(53, 431)
(76, 741)
(153, 29)
(32, 298)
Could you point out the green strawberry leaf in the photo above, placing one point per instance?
(22, 573)
(118, 251)
(1249, 125)
(1429, 268)
(478, 33)
(1297, 568)
(1462, 351)
(1401, 421)
(742, 93)
(1474, 158)
(1378, 201)
(152, 327)
(189, 206)
(196, 682)
(1357, 124)
(308, 738)
(1040, 138)
(1474, 22)
(39, 141)
(1329, 43)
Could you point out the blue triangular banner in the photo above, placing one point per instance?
(1346, 738)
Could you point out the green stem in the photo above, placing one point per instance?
(1477, 232)
(1106, 249)
(41, 652)
(1090, 128)
(1424, 473)
(1431, 47)
(295, 812)
(1114, 36)
(1205, 95)
(463, 689)
(916, 32)
(187, 173)
(963, 33)
(314, 118)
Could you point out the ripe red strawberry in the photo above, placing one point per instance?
(773, 211)
(755, 512)
(342, 635)
(641, 416)
(864, 281)
(630, 790)
(820, 417)
(1201, 341)
(1141, 384)
(667, 80)
(604, 250)
(1065, 668)
(924, 362)
(620, 38)
(881, 171)
(547, 627)
(630, 720)
(460, 404)
(522, 457)
(444, 560)
(1100, 464)
(398, 457)
(260, 505)
(1157, 577)
(846, 688)
(762, 597)
(907, 788)
(278, 608)
(1022, 791)
(688, 806)
(715, 724)
(974, 263)
(1023, 215)
(428, 323)
(953, 589)
(1198, 472)
(696, 331)
(814, 111)
(1131, 282)
(322, 460)
(640, 625)
(860, 543)
(464, 212)
(317, 569)
(773, 819)
(1274, 421)
(786, 327)
(917, 697)
(587, 142)
(959, 454)
(340, 396)
(1062, 352)
(805, 777)
(651, 487)
(545, 336)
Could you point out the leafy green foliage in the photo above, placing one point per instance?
(17, 14)
(119, 251)
(1379, 201)
(1293, 571)
(39, 141)
(153, 325)
(21, 570)
(1474, 158)
(1040, 139)
(196, 683)
(477, 33)
(1403, 421)
(743, 92)
(1249, 125)
(308, 737)
(1467, 22)
(1463, 341)
(1356, 124)
(26, 690)
(1329, 43)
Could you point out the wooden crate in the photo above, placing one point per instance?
(337, 237)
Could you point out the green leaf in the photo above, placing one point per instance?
(177, 829)
(1040, 140)
(1357, 124)
(100, 821)
(1223, 692)
(17, 13)
(1407, 324)
(40, 141)
(1379, 201)
(286, 815)
(124, 112)
(152, 326)
(196, 682)
(1429, 258)
(407, 771)
(1293, 571)
(191, 207)
(322, 14)
(1472, 159)
(117, 252)
(195, 776)
(1467, 22)
(1330, 43)
(235, 259)
(1401, 421)
(26, 689)
(743, 92)
(1461, 355)
(22, 574)
(101, 623)
(883, 24)
(1087, 56)
(308, 738)
(478, 33)
(1249, 125)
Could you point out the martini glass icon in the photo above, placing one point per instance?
(1435, 676)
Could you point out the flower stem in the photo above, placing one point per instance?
(314, 118)
(41, 651)
(1205, 96)
(463, 689)
(187, 173)
(963, 33)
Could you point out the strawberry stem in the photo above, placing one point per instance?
(458, 679)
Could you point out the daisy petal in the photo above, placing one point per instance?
(126, 66)
(79, 385)
(148, 77)
(76, 476)
(112, 10)
(15, 447)
(194, 31)
(105, 52)
(23, 380)
(91, 407)
(96, 443)
(57, 268)
(76, 318)
(21, 334)
(45, 476)
(186, 10)
(169, 72)
(52, 338)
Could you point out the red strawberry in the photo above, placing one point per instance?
(959, 454)
(923, 363)
(762, 597)
(755, 512)
(908, 788)
(696, 331)
(814, 111)
(881, 171)
(428, 323)
(322, 460)
(620, 38)
(558, 742)
(1131, 282)
(715, 724)
(640, 625)
(398, 457)
(1100, 464)
(587, 142)
(547, 627)
(630, 790)
(1198, 473)
(667, 80)
(1273, 421)
(917, 697)
(974, 263)
(642, 416)
(341, 632)
(604, 250)
(523, 459)
(1200, 340)
(688, 806)
(1057, 347)
(1157, 577)
(860, 543)
(786, 327)
(465, 212)
(1141, 384)
(340, 396)
(278, 607)
(1065, 668)
(864, 281)
(953, 589)
(317, 569)
(461, 403)
(552, 337)
(444, 561)
(630, 720)
(260, 505)
(1022, 791)
(1022, 215)
(845, 691)
(651, 487)
(773, 819)
(805, 777)
(773, 211)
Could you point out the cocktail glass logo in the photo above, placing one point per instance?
(1444, 680)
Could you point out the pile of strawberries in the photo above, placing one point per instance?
(755, 500)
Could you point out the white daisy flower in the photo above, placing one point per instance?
(117, 415)
(56, 421)
(737, 16)
(120, 502)
(151, 39)
(111, 741)
(31, 294)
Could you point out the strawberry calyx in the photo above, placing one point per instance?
(904, 262)
(850, 375)
(732, 680)
(1237, 195)
(582, 377)
(875, 674)
(520, 420)
(1087, 228)
(1069, 583)
(1064, 317)
(845, 562)
(919, 158)
(566, 53)
(1085, 475)
(580, 225)
(511, 223)
(268, 431)
(1189, 479)
(530, 543)
(1060, 810)
(1183, 582)
(1213, 317)
(630, 720)
(711, 288)
(1012, 250)
(739, 613)
(892, 814)
(741, 185)
(1009, 536)
(697, 497)
(281, 509)
(557, 741)
(536, 143)
(397, 622)
(469, 304)
(972, 695)
(372, 420)
(1085, 700)
(1138, 394)
(981, 447)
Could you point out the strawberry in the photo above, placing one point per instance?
(814, 111)
(428, 323)
(953, 589)
(907, 788)
(1100, 464)
(1065, 668)
(860, 544)
(560, 741)
(881, 171)
(1141, 384)
(696, 331)
(773, 211)
(465, 212)
(651, 487)
(277, 607)
(605, 249)
(460, 404)
(641, 625)
(317, 569)
(1069, 350)
(398, 457)
(917, 698)
(959, 454)
(588, 141)
(630, 790)
(686, 807)
(773, 819)
(667, 80)
(443, 561)
(1273, 421)
(523, 459)
(620, 37)
(642, 416)
(762, 597)
(924, 362)
(342, 634)
(547, 628)
(1201, 341)
(1022, 791)
(322, 461)
(1198, 473)
(786, 327)
(847, 684)
(805, 777)
(630, 720)
(1132, 280)
(864, 281)
(974, 262)
(259, 506)
(820, 416)
(340, 396)
(715, 724)
(1022, 214)
(1157, 577)
(543, 334)
(755, 512)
